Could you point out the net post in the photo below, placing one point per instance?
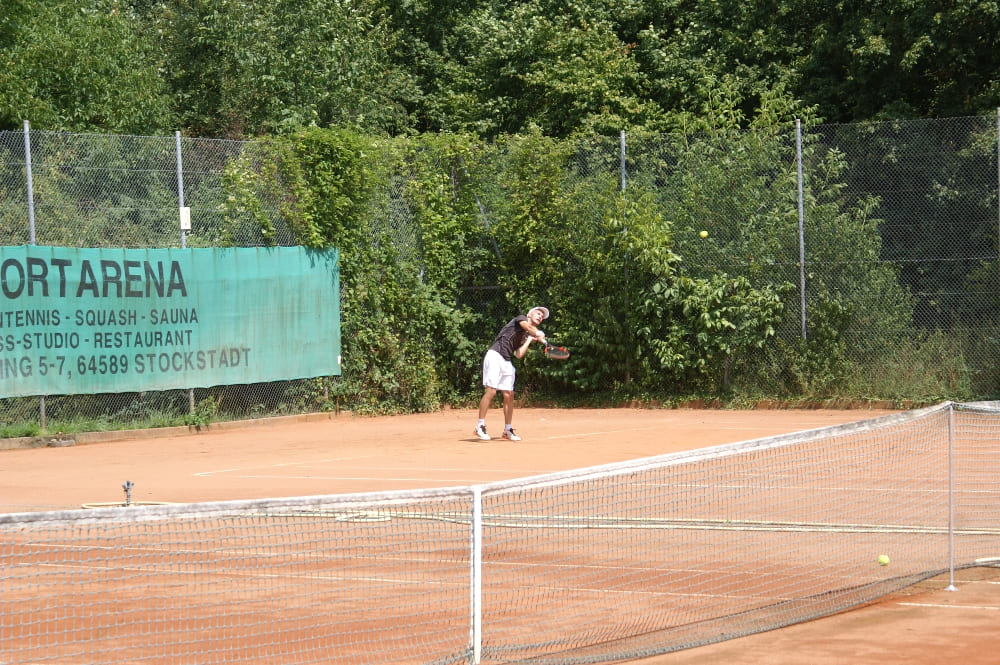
(951, 498)
(476, 592)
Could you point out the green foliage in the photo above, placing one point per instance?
(204, 412)
(391, 368)
(69, 67)
(234, 68)
(902, 59)
(606, 264)
(563, 69)
(817, 366)
(329, 174)
(739, 186)
(400, 329)
(321, 180)
(925, 369)
(705, 323)
(246, 68)
(440, 193)
(16, 430)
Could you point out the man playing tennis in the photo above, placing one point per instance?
(512, 341)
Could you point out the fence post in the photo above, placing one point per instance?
(31, 185)
(802, 226)
(621, 150)
(31, 232)
(622, 157)
(185, 213)
(185, 224)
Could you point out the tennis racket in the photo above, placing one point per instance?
(556, 352)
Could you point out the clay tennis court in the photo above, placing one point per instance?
(330, 454)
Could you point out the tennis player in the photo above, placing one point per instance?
(511, 342)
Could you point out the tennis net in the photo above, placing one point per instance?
(594, 565)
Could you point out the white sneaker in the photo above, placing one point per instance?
(510, 435)
(481, 433)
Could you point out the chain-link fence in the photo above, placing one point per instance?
(123, 191)
(918, 293)
(886, 231)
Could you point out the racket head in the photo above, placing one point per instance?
(556, 352)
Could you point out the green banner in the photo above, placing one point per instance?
(76, 321)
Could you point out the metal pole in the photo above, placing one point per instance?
(622, 152)
(951, 498)
(476, 629)
(31, 185)
(802, 227)
(625, 274)
(998, 179)
(31, 233)
(180, 187)
(185, 217)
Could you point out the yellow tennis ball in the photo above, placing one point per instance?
(883, 559)
(704, 234)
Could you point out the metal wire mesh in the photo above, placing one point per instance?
(124, 191)
(918, 298)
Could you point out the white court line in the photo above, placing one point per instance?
(329, 460)
(236, 469)
(320, 463)
(464, 480)
(953, 607)
(605, 433)
(277, 465)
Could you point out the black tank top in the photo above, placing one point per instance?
(510, 337)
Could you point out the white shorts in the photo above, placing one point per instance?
(497, 372)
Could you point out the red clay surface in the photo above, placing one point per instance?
(293, 457)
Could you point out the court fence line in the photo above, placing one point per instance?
(918, 290)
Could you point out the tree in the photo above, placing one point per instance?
(250, 68)
(902, 59)
(853, 61)
(607, 261)
(740, 185)
(563, 71)
(80, 69)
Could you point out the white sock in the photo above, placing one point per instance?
(482, 422)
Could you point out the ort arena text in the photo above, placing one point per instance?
(108, 278)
